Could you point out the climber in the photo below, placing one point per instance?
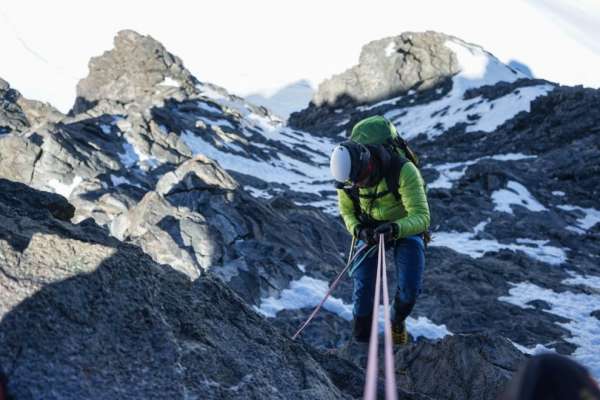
(381, 191)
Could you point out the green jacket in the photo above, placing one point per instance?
(411, 214)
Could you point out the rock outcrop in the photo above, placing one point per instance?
(132, 71)
(18, 114)
(391, 66)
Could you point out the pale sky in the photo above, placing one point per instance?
(250, 47)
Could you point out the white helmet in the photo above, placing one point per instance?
(348, 160)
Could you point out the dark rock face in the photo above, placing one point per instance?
(198, 217)
(85, 316)
(473, 366)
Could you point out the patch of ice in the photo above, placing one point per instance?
(302, 267)
(576, 307)
(515, 194)
(306, 292)
(558, 193)
(465, 243)
(170, 82)
(591, 217)
(64, 189)
(451, 172)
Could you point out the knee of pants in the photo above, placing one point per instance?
(408, 294)
(363, 299)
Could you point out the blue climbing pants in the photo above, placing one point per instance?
(409, 263)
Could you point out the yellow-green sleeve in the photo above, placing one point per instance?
(347, 211)
(414, 199)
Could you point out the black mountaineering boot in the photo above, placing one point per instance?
(399, 332)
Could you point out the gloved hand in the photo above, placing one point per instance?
(389, 231)
(365, 234)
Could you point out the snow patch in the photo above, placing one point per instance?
(170, 82)
(515, 194)
(130, 156)
(590, 281)
(120, 180)
(306, 292)
(423, 327)
(558, 193)
(106, 129)
(591, 217)
(63, 189)
(390, 49)
(209, 107)
(537, 349)
(257, 193)
(451, 172)
(576, 307)
(466, 243)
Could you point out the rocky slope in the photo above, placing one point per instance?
(182, 192)
(87, 316)
(129, 144)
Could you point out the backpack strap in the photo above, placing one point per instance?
(352, 192)
(392, 176)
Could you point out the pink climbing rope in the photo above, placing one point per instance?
(390, 371)
(370, 392)
(351, 258)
